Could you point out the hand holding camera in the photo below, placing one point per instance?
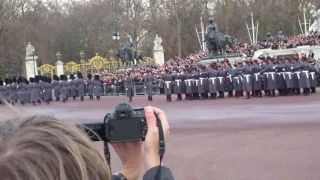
(126, 128)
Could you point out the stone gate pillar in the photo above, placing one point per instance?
(158, 51)
(59, 65)
(31, 61)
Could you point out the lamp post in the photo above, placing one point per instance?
(82, 61)
(116, 37)
(58, 55)
(34, 63)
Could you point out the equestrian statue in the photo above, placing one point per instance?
(128, 53)
(216, 41)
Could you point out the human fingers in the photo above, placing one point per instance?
(151, 119)
(162, 116)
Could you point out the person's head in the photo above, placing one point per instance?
(42, 147)
(211, 20)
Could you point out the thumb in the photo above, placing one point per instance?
(150, 118)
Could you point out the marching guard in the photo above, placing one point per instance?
(73, 86)
(167, 77)
(90, 85)
(80, 85)
(237, 80)
(296, 74)
(2, 92)
(280, 78)
(177, 78)
(129, 84)
(189, 84)
(203, 83)
(56, 87)
(304, 78)
(212, 84)
(269, 70)
(312, 77)
(195, 88)
(97, 86)
(256, 79)
(46, 90)
(34, 91)
(64, 88)
(221, 81)
(247, 81)
(228, 74)
(22, 88)
(148, 80)
(288, 76)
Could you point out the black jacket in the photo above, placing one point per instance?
(166, 174)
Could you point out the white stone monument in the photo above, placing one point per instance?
(59, 65)
(316, 24)
(31, 61)
(158, 51)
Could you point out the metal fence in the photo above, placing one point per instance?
(120, 90)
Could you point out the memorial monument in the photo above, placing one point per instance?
(129, 54)
(31, 61)
(315, 27)
(158, 51)
(217, 43)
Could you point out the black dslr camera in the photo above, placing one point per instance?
(124, 124)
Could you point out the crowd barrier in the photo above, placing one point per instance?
(120, 90)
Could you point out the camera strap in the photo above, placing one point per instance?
(162, 146)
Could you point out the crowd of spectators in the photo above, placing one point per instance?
(179, 63)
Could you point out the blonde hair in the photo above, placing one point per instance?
(46, 148)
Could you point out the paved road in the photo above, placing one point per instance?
(265, 138)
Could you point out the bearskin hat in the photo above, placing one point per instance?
(44, 79)
(97, 77)
(6, 80)
(89, 76)
(31, 79)
(1, 82)
(55, 77)
(79, 75)
(49, 80)
(36, 79)
(20, 79)
(26, 81)
(71, 76)
(62, 77)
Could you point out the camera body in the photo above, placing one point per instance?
(123, 125)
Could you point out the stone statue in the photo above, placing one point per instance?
(157, 42)
(280, 36)
(315, 27)
(29, 50)
(129, 43)
(128, 54)
(216, 41)
(270, 38)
